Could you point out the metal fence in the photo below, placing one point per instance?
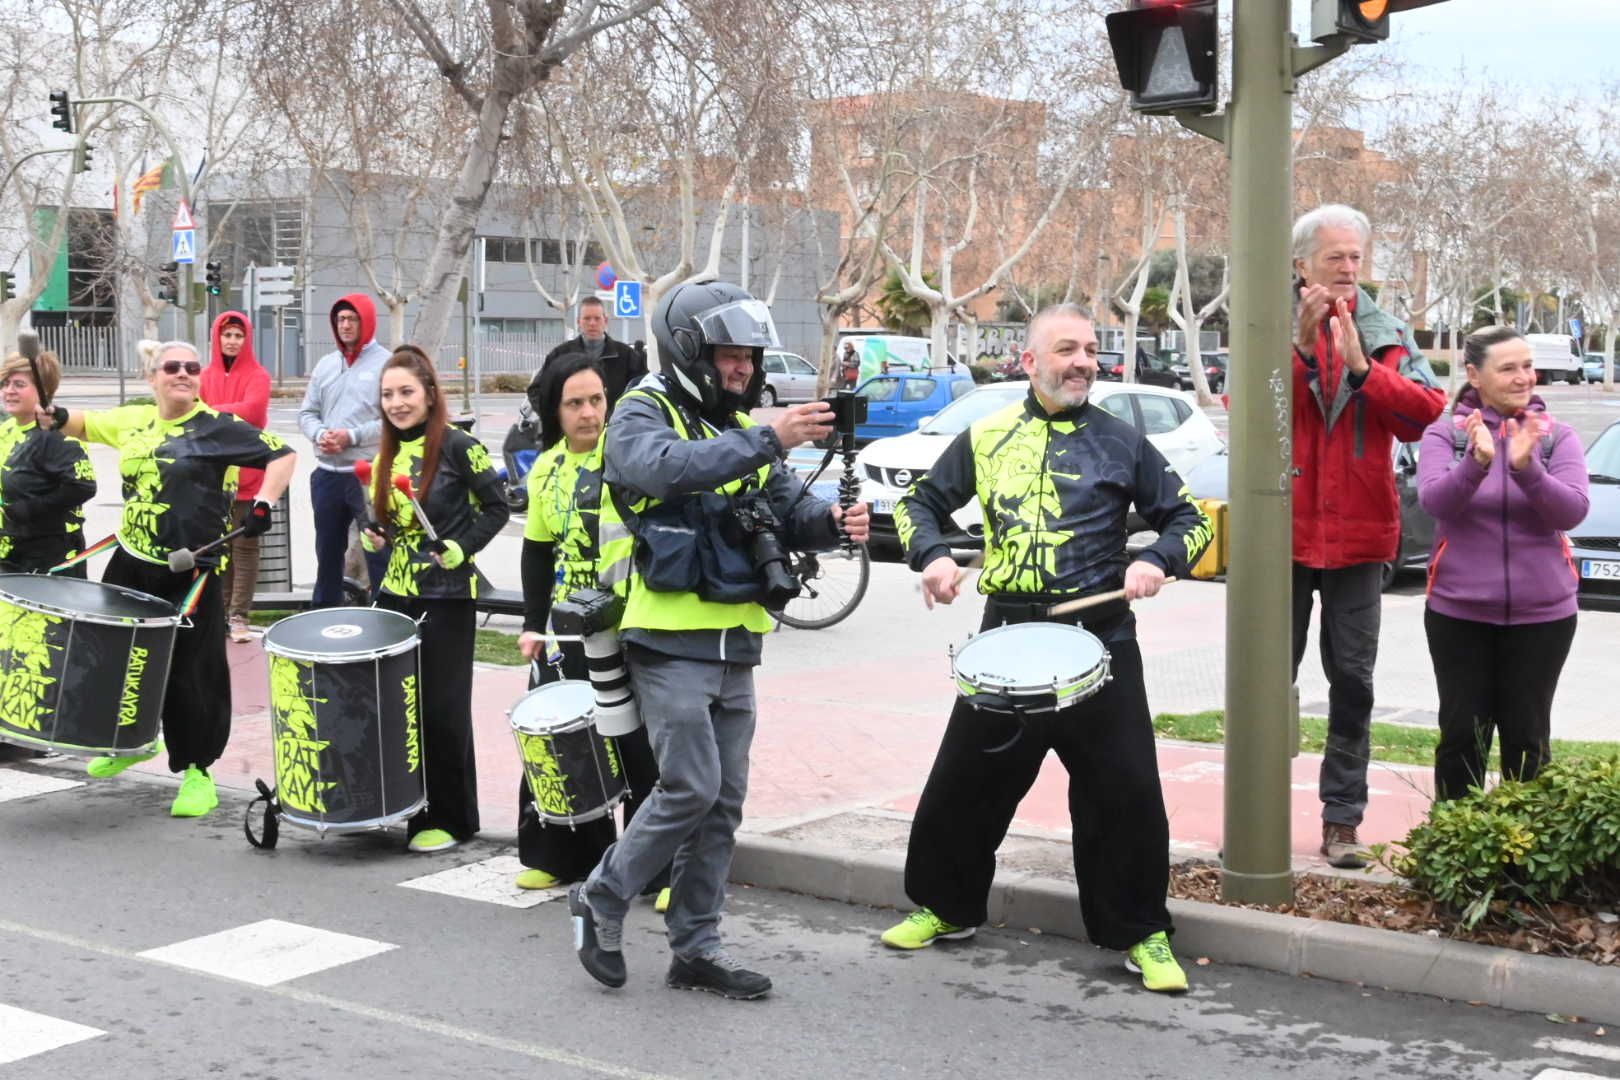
(84, 349)
(516, 351)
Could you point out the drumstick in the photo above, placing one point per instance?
(975, 563)
(403, 483)
(28, 346)
(362, 473)
(186, 558)
(1090, 601)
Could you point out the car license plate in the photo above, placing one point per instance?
(1600, 568)
(886, 506)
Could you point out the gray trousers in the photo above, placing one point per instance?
(700, 720)
(1352, 600)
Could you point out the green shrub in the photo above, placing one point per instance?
(1554, 838)
(507, 382)
(1440, 367)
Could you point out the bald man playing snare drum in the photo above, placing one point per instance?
(1056, 476)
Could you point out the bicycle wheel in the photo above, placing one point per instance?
(834, 582)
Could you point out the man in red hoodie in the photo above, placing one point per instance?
(235, 383)
(1359, 384)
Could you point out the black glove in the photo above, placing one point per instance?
(257, 522)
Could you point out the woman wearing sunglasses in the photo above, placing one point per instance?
(179, 460)
(45, 478)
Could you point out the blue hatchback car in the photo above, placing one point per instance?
(896, 403)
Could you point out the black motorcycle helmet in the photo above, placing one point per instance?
(690, 321)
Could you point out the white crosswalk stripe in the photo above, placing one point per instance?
(489, 881)
(1565, 1074)
(22, 784)
(268, 952)
(24, 1034)
(1578, 1046)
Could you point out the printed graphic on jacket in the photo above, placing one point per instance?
(565, 502)
(465, 503)
(45, 480)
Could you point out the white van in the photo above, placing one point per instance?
(1557, 357)
(881, 352)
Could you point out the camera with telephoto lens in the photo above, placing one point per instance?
(757, 525)
(586, 612)
(849, 409)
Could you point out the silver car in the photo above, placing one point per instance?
(789, 379)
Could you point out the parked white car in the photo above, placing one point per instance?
(789, 379)
(888, 467)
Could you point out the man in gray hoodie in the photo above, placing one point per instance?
(342, 418)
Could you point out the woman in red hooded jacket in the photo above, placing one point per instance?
(234, 382)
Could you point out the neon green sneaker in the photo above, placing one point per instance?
(103, 767)
(197, 795)
(661, 904)
(535, 879)
(1152, 959)
(922, 928)
(429, 840)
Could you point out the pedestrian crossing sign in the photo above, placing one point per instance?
(185, 246)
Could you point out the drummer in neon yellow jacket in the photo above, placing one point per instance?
(179, 460)
(45, 477)
(435, 582)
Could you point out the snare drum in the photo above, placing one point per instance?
(344, 718)
(573, 771)
(1031, 667)
(83, 665)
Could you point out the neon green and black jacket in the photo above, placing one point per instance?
(559, 539)
(656, 452)
(179, 475)
(45, 480)
(465, 503)
(1055, 492)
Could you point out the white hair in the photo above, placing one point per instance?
(151, 352)
(1328, 216)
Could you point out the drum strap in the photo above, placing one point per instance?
(1006, 702)
(199, 581)
(272, 818)
(88, 553)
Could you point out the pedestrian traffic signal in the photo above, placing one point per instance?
(214, 278)
(81, 157)
(1357, 20)
(7, 283)
(169, 282)
(62, 109)
(1165, 51)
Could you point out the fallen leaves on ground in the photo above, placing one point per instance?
(1554, 930)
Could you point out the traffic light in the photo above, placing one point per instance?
(169, 282)
(62, 109)
(81, 157)
(1357, 20)
(1165, 51)
(7, 283)
(214, 278)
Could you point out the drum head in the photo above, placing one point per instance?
(1029, 656)
(343, 633)
(554, 706)
(90, 598)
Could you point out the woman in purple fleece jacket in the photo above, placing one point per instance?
(1503, 480)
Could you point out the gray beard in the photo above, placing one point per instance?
(1055, 391)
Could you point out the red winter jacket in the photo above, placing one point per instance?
(243, 391)
(1345, 507)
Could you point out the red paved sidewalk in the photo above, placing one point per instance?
(815, 755)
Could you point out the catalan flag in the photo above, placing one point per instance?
(148, 181)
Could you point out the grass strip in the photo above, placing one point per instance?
(1401, 744)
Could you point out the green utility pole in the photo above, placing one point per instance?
(1259, 694)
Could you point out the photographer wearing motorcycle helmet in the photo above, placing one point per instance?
(698, 511)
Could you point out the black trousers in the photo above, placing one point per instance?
(1352, 607)
(197, 696)
(1493, 680)
(449, 765)
(570, 853)
(1116, 808)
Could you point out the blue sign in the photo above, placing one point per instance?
(184, 248)
(627, 299)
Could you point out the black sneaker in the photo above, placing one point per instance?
(717, 973)
(599, 944)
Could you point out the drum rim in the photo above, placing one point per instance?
(154, 622)
(1060, 687)
(336, 656)
(296, 818)
(17, 738)
(583, 720)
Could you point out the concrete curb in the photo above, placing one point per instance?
(1411, 963)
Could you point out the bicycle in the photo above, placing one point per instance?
(832, 584)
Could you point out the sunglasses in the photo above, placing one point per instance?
(175, 367)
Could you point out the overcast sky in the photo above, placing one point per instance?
(1551, 47)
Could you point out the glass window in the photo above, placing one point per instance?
(798, 365)
(961, 388)
(918, 390)
(1120, 406)
(1158, 413)
(959, 416)
(546, 252)
(880, 389)
(773, 363)
(1603, 459)
(1183, 410)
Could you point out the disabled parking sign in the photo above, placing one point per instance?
(627, 299)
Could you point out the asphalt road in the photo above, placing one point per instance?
(141, 946)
